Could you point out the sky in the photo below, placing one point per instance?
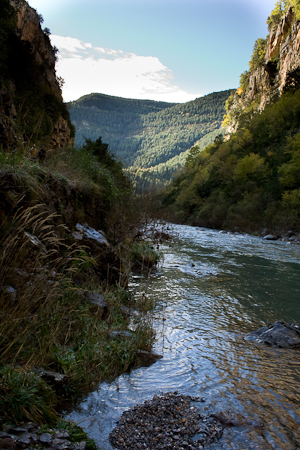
(164, 50)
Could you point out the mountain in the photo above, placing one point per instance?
(145, 134)
(31, 105)
(251, 180)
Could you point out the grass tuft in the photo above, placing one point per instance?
(25, 396)
(144, 252)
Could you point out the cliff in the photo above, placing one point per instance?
(31, 104)
(274, 69)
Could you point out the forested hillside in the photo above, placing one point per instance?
(144, 133)
(252, 180)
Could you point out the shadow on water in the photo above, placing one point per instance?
(211, 289)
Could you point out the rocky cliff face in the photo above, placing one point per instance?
(30, 33)
(278, 72)
(31, 105)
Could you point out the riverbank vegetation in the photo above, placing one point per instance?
(67, 320)
(251, 180)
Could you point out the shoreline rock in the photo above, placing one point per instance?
(31, 436)
(278, 334)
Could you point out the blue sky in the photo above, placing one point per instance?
(169, 50)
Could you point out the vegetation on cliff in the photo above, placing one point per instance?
(273, 67)
(250, 181)
(281, 7)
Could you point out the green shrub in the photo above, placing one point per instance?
(145, 254)
(25, 396)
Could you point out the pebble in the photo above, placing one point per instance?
(167, 421)
(30, 437)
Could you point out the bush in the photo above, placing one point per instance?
(25, 396)
(145, 254)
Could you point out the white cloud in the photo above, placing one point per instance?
(87, 69)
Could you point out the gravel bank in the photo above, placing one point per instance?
(168, 421)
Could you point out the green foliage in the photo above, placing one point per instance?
(229, 102)
(250, 167)
(144, 253)
(227, 119)
(290, 172)
(151, 137)
(100, 150)
(24, 172)
(161, 174)
(25, 396)
(277, 13)
(252, 180)
(192, 155)
(280, 8)
(258, 55)
(295, 4)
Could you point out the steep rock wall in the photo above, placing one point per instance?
(279, 72)
(31, 105)
(30, 33)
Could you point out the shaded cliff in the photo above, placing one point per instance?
(31, 105)
(274, 69)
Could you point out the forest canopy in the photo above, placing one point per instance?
(251, 180)
(147, 135)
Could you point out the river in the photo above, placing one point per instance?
(211, 289)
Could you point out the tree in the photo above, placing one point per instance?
(277, 13)
(295, 4)
(193, 153)
(258, 55)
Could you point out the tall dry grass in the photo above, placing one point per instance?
(39, 265)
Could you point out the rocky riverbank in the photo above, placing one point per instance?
(168, 421)
(31, 436)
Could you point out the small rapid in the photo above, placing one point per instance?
(211, 289)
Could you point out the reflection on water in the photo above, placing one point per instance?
(212, 288)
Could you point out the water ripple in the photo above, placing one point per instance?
(211, 290)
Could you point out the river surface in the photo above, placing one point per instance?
(211, 289)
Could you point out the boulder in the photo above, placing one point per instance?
(146, 359)
(294, 239)
(131, 312)
(97, 299)
(84, 231)
(290, 233)
(35, 243)
(121, 334)
(9, 293)
(57, 380)
(278, 334)
(108, 264)
(270, 237)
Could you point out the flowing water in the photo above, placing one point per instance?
(211, 289)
